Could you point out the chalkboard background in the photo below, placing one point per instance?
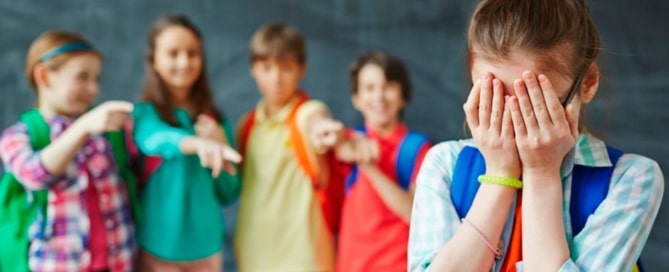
(630, 111)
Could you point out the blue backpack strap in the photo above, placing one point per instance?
(353, 176)
(589, 187)
(407, 156)
(464, 182)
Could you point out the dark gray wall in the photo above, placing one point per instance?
(428, 35)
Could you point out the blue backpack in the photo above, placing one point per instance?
(406, 159)
(589, 187)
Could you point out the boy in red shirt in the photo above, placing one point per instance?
(379, 191)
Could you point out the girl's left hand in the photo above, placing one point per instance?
(208, 127)
(544, 131)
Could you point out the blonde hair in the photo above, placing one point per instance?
(48, 41)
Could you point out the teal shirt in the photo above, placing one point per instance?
(181, 201)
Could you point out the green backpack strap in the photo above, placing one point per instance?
(40, 136)
(117, 140)
(16, 212)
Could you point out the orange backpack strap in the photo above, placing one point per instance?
(324, 172)
(299, 144)
(245, 130)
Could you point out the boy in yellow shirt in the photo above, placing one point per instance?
(281, 224)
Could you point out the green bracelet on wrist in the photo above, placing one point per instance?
(504, 181)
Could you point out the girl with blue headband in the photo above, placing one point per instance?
(60, 163)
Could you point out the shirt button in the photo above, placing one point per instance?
(109, 223)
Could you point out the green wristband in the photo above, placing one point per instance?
(508, 182)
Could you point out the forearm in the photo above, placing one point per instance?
(396, 198)
(154, 137)
(544, 243)
(57, 155)
(465, 251)
(189, 144)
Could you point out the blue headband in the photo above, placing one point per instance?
(65, 48)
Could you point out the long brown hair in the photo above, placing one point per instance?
(155, 91)
(500, 27)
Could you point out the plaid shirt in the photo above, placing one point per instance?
(611, 240)
(63, 244)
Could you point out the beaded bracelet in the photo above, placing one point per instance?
(509, 182)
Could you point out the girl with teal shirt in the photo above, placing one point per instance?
(185, 144)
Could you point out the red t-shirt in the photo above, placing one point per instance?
(372, 237)
(97, 239)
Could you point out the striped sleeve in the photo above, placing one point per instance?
(616, 232)
(22, 161)
(434, 219)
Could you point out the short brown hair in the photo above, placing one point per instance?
(393, 69)
(278, 41)
(500, 27)
(48, 41)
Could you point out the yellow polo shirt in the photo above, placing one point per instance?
(280, 226)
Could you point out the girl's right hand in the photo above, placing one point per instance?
(108, 116)
(492, 127)
(217, 156)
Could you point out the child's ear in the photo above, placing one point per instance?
(40, 75)
(590, 84)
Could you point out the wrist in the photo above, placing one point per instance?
(542, 180)
(190, 144)
(541, 173)
(80, 130)
(513, 183)
(501, 172)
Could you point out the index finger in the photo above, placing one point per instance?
(217, 164)
(121, 106)
(230, 154)
(555, 110)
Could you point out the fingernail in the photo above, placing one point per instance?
(527, 75)
(542, 78)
